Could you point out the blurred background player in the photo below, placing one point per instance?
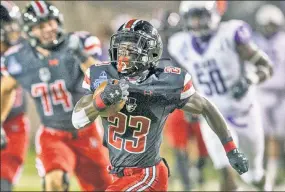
(180, 126)
(50, 67)
(270, 37)
(216, 54)
(15, 128)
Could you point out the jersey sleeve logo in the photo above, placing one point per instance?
(170, 69)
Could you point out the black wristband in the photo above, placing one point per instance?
(99, 104)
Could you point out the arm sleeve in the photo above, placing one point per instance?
(86, 84)
(187, 91)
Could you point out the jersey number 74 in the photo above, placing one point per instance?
(53, 94)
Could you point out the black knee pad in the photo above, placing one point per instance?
(65, 182)
(5, 185)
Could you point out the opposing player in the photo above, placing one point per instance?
(133, 135)
(50, 67)
(15, 128)
(271, 38)
(218, 56)
(180, 126)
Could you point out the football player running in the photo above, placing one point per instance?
(152, 88)
(50, 67)
(15, 128)
(217, 55)
(271, 38)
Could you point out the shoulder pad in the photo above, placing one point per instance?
(91, 43)
(237, 31)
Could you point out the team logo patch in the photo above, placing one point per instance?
(131, 104)
(44, 74)
(175, 70)
(102, 77)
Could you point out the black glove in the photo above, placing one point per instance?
(238, 161)
(240, 88)
(112, 94)
(3, 139)
(77, 47)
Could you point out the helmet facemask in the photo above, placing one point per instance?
(132, 52)
(32, 20)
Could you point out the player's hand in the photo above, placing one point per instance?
(238, 161)
(114, 92)
(75, 45)
(3, 139)
(240, 88)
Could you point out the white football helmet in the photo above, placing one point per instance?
(201, 18)
(269, 20)
(267, 14)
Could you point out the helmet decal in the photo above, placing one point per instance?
(40, 8)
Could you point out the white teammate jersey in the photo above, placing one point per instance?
(217, 66)
(275, 49)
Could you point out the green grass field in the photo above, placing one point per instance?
(30, 181)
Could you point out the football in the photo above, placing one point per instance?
(113, 109)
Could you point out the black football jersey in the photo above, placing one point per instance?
(133, 136)
(54, 82)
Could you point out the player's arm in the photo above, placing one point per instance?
(250, 52)
(89, 106)
(84, 112)
(200, 105)
(8, 92)
(193, 102)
